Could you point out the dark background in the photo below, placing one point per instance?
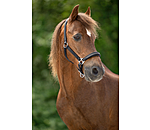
(46, 14)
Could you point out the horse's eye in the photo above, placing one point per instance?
(77, 37)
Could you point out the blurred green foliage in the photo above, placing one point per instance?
(46, 15)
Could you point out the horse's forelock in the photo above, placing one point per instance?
(88, 22)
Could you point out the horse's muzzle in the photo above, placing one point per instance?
(94, 73)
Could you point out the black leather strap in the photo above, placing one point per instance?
(65, 37)
(73, 53)
(65, 52)
(91, 55)
(80, 66)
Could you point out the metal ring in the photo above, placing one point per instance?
(82, 75)
(65, 45)
(81, 61)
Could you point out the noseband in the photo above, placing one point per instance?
(80, 60)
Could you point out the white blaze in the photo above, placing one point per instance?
(88, 32)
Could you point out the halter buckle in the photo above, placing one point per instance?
(65, 45)
(81, 61)
(80, 65)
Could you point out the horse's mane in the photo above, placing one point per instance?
(87, 21)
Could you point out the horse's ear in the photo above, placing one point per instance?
(74, 13)
(88, 12)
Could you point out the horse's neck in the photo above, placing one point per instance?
(68, 76)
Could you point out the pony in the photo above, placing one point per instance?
(88, 98)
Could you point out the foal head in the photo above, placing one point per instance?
(81, 35)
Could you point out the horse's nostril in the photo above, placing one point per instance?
(95, 71)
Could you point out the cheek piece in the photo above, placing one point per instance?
(80, 60)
